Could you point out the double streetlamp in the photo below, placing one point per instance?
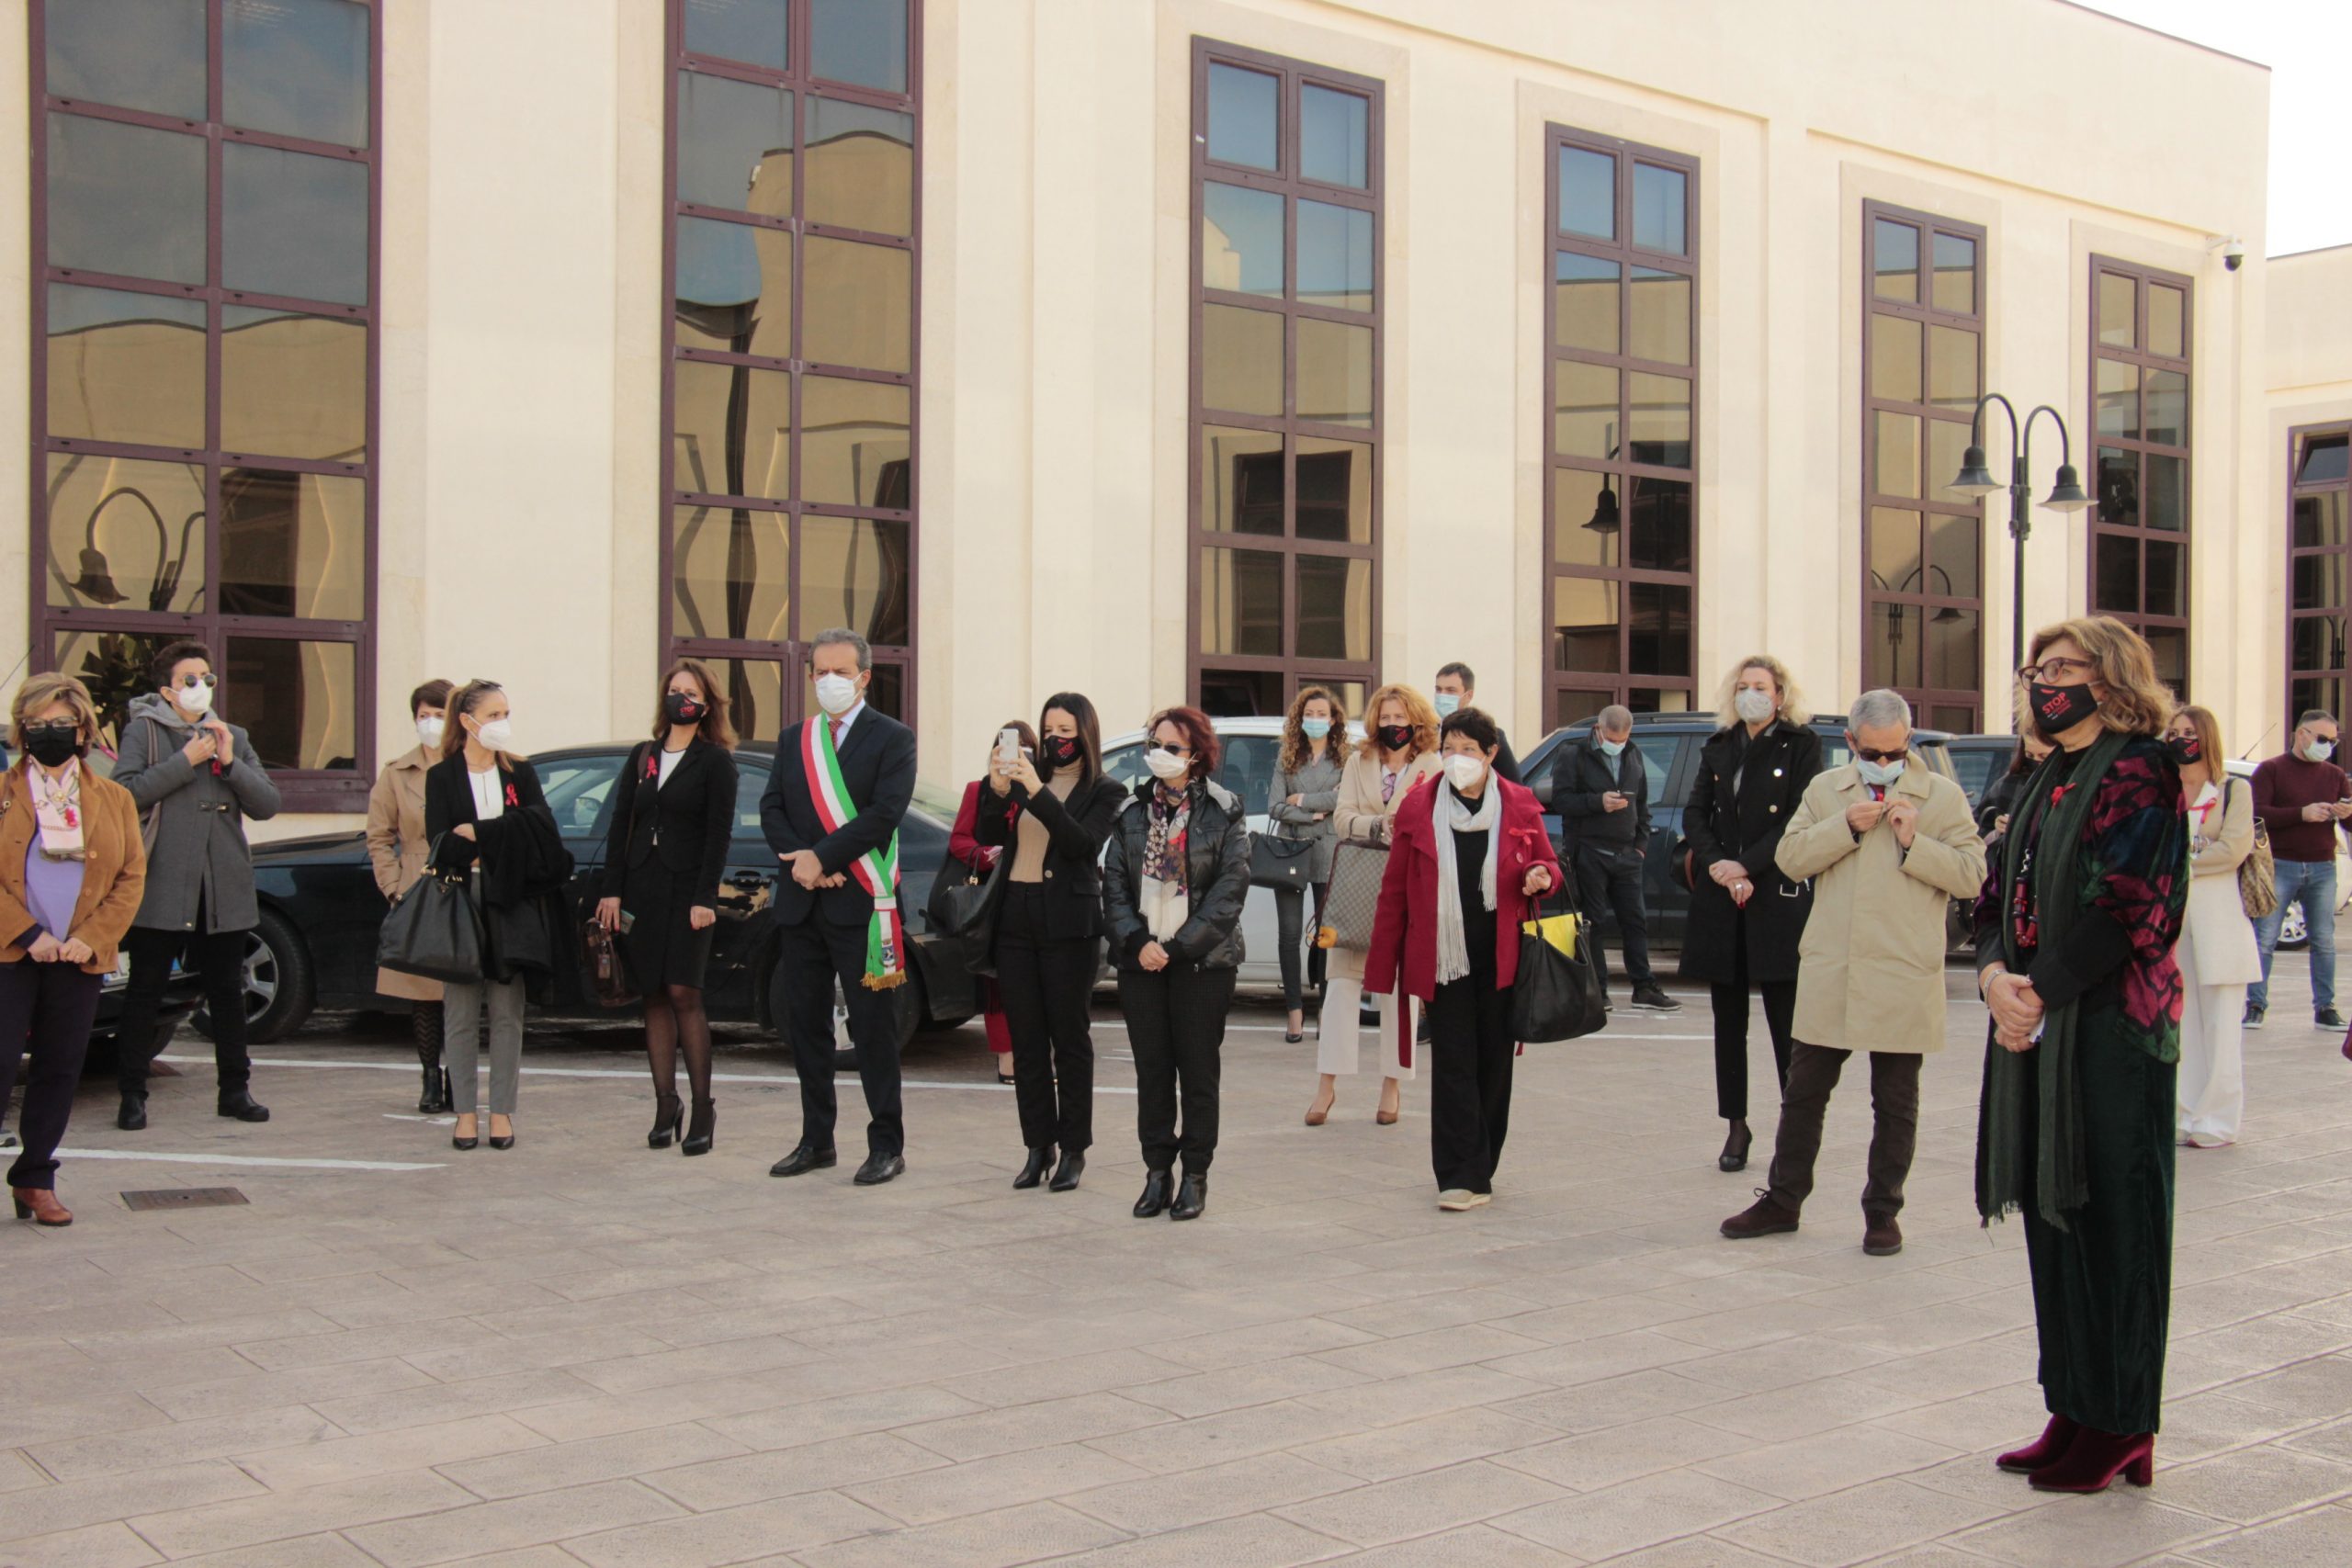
(1977, 480)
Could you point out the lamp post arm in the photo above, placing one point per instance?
(1976, 424)
(2065, 442)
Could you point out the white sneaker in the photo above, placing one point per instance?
(1454, 1199)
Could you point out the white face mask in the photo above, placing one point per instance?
(1753, 706)
(2319, 750)
(498, 735)
(1165, 765)
(836, 693)
(431, 730)
(194, 700)
(1880, 774)
(1464, 769)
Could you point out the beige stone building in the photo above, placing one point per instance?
(1166, 349)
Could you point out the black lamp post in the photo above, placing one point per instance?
(2065, 492)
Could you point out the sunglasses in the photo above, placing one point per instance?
(1867, 755)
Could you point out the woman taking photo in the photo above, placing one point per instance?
(969, 858)
(1306, 792)
(2216, 954)
(2075, 934)
(1047, 928)
(73, 869)
(1470, 851)
(1399, 751)
(488, 820)
(1173, 884)
(673, 812)
(1746, 917)
(1993, 811)
(396, 846)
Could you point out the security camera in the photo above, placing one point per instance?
(2233, 250)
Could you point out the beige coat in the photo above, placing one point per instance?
(2217, 945)
(1362, 815)
(1870, 971)
(396, 845)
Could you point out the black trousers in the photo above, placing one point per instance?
(1290, 928)
(1610, 879)
(1731, 1034)
(815, 954)
(220, 956)
(45, 1008)
(1895, 1125)
(1471, 1056)
(1045, 986)
(1176, 1029)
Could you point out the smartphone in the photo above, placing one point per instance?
(626, 922)
(1008, 748)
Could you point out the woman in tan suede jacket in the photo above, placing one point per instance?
(396, 846)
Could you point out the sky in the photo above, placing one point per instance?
(2308, 45)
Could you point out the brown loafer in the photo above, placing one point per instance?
(1881, 1237)
(39, 1205)
(1767, 1216)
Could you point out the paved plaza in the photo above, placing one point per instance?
(581, 1352)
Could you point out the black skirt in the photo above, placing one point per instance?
(663, 949)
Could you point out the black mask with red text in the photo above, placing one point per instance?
(683, 707)
(2057, 709)
(1395, 737)
(2186, 750)
(1060, 752)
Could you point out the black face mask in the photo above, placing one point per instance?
(1060, 752)
(2186, 750)
(52, 745)
(1395, 737)
(683, 707)
(2057, 709)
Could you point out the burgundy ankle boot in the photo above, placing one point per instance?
(2048, 1448)
(2096, 1459)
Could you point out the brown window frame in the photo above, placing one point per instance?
(1288, 182)
(1926, 700)
(2138, 617)
(302, 789)
(1641, 690)
(2339, 670)
(894, 663)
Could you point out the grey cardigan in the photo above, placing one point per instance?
(199, 857)
(1318, 784)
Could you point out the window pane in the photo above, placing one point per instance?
(1587, 518)
(1951, 368)
(1241, 241)
(857, 304)
(1239, 693)
(754, 689)
(125, 200)
(730, 575)
(1241, 359)
(2116, 573)
(293, 545)
(2167, 318)
(1334, 607)
(1587, 193)
(1658, 524)
(2170, 646)
(731, 426)
(864, 41)
(293, 385)
(1241, 117)
(135, 55)
(296, 67)
(1334, 255)
(293, 224)
(2118, 400)
(1241, 601)
(1334, 372)
(734, 145)
(1657, 628)
(1895, 359)
(298, 700)
(1662, 316)
(125, 533)
(1659, 198)
(1350, 693)
(2323, 460)
(1954, 546)
(1947, 443)
(113, 665)
(1955, 274)
(861, 167)
(1895, 260)
(1651, 699)
(125, 366)
(2325, 695)
(1896, 655)
(2319, 520)
(734, 288)
(1955, 649)
(1584, 409)
(2319, 642)
(1332, 136)
(2119, 305)
(1662, 417)
(1574, 706)
(754, 31)
(2319, 581)
(854, 572)
(1584, 624)
(1895, 456)
(2166, 416)
(856, 445)
(2119, 487)
(1895, 564)
(1241, 480)
(2168, 492)
(1334, 491)
(1583, 302)
(2167, 585)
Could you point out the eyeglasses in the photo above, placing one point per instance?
(190, 682)
(1867, 755)
(2053, 671)
(1173, 750)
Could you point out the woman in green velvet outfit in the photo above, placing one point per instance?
(2075, 934)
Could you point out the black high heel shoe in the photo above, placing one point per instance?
(507, 1142)
(667, 1109)
(1736, 1147)
(473, 1142)
(1159, 1190)
(1034, 1170)
(702, 1130)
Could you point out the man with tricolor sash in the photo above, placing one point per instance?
(841, 784)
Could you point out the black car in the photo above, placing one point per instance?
(1670, 744)
(1978, 760)
(320, 911)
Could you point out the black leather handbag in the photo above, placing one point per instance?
(963, 903)
(435, 930)
(1558, 995)
(1281, 863)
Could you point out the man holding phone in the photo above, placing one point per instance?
(2301, 796)
(1601, 788)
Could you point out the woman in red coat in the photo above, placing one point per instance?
(979, 860)
(1469, 852)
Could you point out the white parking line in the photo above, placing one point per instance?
(245, 1160)
(776, 1079)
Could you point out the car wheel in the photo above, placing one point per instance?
(2293, 935)
(280, 987)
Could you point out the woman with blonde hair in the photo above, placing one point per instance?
(1399, 751)
(2216, 954)
(1746, 917)
(1306, 792)
(2074, 941)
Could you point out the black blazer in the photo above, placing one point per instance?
(1580, 776)
(1745, 824)
(449, 801)
(1077, 832)
(686, 822)
(877, 759)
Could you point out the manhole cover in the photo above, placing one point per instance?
(184, 1198)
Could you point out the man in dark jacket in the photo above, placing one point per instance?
(1601, 788)
(1458, 688)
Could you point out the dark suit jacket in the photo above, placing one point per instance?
(686, 822)
(1077, 832)
(1580, 776)
(877, 759)
(1744, 822)
(1506, 763)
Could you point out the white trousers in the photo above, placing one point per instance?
(2212, 1063)
(1338, 1038)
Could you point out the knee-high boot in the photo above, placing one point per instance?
(425, 1024)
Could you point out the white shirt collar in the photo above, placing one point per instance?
(845, 721)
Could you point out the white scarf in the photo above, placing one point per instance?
(1453, 812)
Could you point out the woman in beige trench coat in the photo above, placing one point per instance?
(397, 848)
(2217, 953)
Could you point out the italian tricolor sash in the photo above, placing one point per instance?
(877, 870)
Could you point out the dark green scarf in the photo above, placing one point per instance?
(2061, 1182)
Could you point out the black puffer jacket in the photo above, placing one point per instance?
(1216, 865)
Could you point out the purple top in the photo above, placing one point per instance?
(52, 889)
